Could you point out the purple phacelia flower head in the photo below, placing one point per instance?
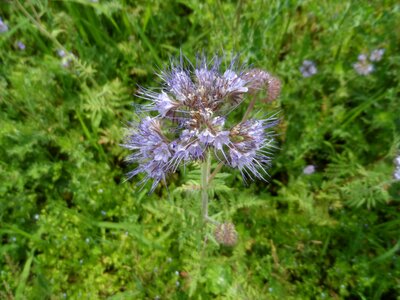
(308, 68)
(191, 111)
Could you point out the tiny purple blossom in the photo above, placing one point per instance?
(376, 55)
(164, 104)
(362, 57)
(162, 153)
(234, 83)
(308, 68)
(21, 46)
(178, 83)
(218, 121)
(3, 26)
(65, 62)
(308, 170)
(363, 67)
(206, 137)
(221, 139)
(195, 150)
(61, 53)
(240, 160)
(187, 134)
(396, 174)
(397, 161)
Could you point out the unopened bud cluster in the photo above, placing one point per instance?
(226, 234)
(191, 112)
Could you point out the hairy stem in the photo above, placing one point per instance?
(249, 109)
(215, 172)
(205, 175)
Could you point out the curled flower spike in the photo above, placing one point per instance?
(191, 120)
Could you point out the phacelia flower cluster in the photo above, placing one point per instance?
(190, 122)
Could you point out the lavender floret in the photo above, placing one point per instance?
(221, 139)
(21, 46)
(363, 67)
(61, 53)
(308, 68)
(308, 170)
(3, 26)
(377, 54)
(397, 161)
(206, 137)
(396, 174)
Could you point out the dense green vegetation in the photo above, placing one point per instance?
(71, 227)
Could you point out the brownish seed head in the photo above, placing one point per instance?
(226, 234)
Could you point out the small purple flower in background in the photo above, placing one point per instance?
(61, 53)
(21, 46)
(66, 58)
(308, 170)
(65, 62)
(376, 55)
(308, 68)
(190, 125)
(3, 26)
(396, 174)
(362, 57)
(397, 161)
(363, 67)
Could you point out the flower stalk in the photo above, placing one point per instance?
(205, 183)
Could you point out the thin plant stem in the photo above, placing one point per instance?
(44, 31)
(205, 175)
(205, 172)
(215, 172)
(249, 109)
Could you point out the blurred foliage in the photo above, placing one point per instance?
(72, 228)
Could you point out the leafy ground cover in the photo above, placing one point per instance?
(325, 227)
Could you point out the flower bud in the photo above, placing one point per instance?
(226, 234)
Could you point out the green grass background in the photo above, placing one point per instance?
(71, 228)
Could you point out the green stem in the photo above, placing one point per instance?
(249, 109)
(205, 174)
